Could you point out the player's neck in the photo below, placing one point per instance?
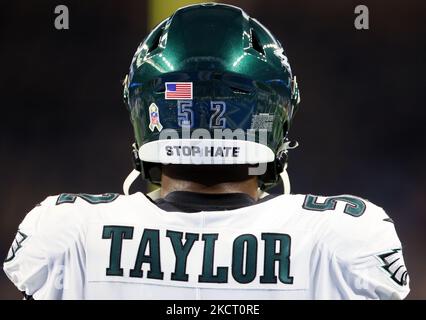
(209, 180)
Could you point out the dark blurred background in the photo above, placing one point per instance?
(64, 127)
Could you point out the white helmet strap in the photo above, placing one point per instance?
(286, 180)
(129, 181)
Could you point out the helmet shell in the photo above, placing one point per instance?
(240, 76)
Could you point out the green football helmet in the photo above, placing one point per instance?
(210, 85)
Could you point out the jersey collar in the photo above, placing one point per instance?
(193, 202)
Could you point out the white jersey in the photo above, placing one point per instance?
(126, 247)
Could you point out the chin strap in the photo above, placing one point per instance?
(135, 172)
(129, 181)
(287, 145)
(286, 184)
(286, 180)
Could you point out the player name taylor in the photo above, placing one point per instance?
(243, 267)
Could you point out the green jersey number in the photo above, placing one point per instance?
(90, 198)
(354, 206)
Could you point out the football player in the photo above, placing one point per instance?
(211, 97)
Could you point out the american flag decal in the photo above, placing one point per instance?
(178, 91)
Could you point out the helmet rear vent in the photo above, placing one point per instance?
(239, 90)
(255, 43)
(156, 41)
